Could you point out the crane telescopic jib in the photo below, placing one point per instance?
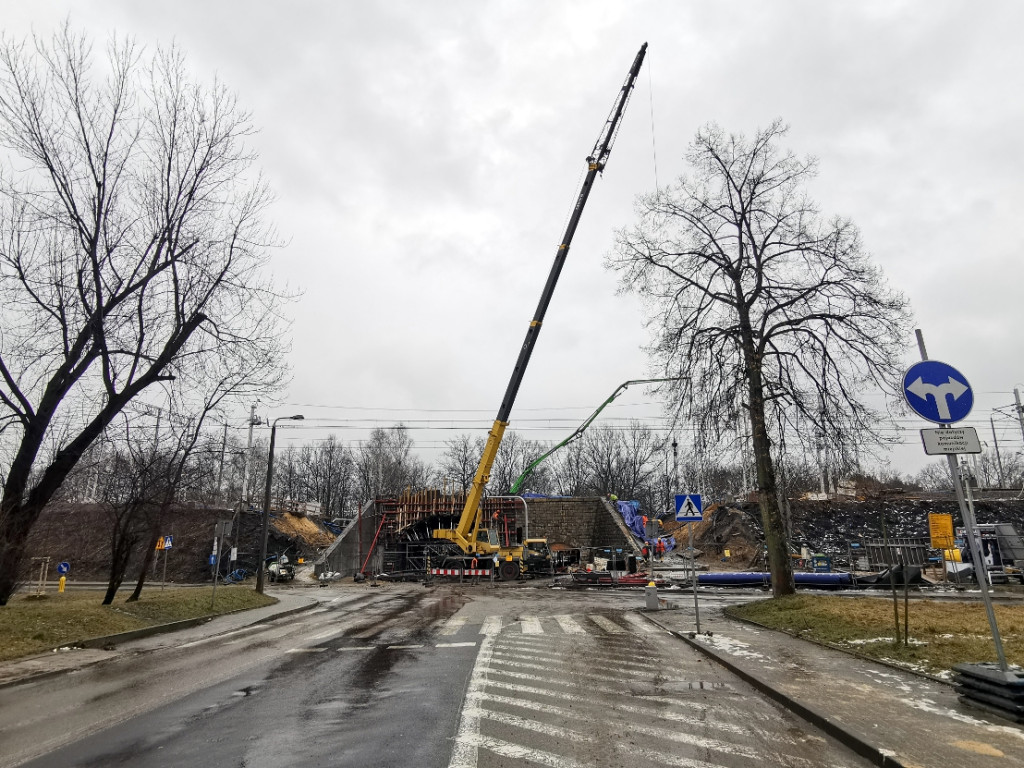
(467, 535)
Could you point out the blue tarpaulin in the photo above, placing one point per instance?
(630, 511)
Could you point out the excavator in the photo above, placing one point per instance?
(474, 541)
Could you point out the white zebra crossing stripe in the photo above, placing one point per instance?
(641, 624)
(612, 670)
(696, 721)
(595, 660)
(570, 626)
(512, 751)
(532, 626)
(606, 624)
(491, 625)
(662, 734)
(554, 685)
(452, 626)
(465, 754)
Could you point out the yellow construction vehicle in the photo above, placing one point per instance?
(472, 539)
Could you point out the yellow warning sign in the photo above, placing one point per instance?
(160, 543)
(940, 528)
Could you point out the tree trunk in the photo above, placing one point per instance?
(154, 535)
(767, 497)
(14, 528)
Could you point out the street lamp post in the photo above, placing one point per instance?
(266, 499)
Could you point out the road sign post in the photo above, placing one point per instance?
(938, 392)
(690, 508)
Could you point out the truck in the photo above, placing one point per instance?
(472, 541)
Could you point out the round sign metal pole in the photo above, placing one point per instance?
(967, 514)
(693, 572)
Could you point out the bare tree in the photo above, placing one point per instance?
(570, 476)
(124, 496)
(328, 472)
(765, 307)
(131, 238)
(457, 465)
(386, 464)
(515, 454)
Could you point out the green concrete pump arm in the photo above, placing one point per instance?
(582, 428)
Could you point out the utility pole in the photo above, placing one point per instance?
(244, 495)
(999, 460)
(253, 421)
(220, 470)
(1020, 411)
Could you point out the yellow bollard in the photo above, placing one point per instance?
(61, 583)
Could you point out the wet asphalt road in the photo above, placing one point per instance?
(407, 676)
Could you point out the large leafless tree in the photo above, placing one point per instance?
(764, 306)
(132, 238)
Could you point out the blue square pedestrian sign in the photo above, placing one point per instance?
(689, 508)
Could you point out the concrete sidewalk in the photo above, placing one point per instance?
(889, 716)
(105, 649)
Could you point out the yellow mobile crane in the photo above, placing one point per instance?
(471, 537)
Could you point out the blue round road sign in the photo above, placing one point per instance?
(938, 392)
(63, 567)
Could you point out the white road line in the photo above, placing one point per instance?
(532, 626)
(465, 753)
(317, 610)
(606, 624)
(475, 741)
(531, 725)
(573, 695)
(657, 733)
(359, 648)
(696, 721)
(402, 647)
(640, 624)
(452, 626)
(305, 650)
(594, 673)
(491, 625)
(595, 661)
(570, 626)
(455, 645)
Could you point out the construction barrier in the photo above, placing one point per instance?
(460, 572)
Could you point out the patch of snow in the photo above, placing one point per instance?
(730, 646)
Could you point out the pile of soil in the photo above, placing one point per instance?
(827, 527)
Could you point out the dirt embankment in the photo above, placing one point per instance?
(81, 535)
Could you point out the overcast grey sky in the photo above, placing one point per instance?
(426, 154)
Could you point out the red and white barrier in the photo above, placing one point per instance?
(460, 572)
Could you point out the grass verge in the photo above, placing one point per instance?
(31, 624)
(941, 633)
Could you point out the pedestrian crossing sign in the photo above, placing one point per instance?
(689, 508)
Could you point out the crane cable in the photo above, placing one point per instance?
(654, 147)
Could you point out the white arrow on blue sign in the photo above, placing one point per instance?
(689, 508)
(938, 392)
(63, 567)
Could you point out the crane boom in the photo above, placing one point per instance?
(464, 534)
